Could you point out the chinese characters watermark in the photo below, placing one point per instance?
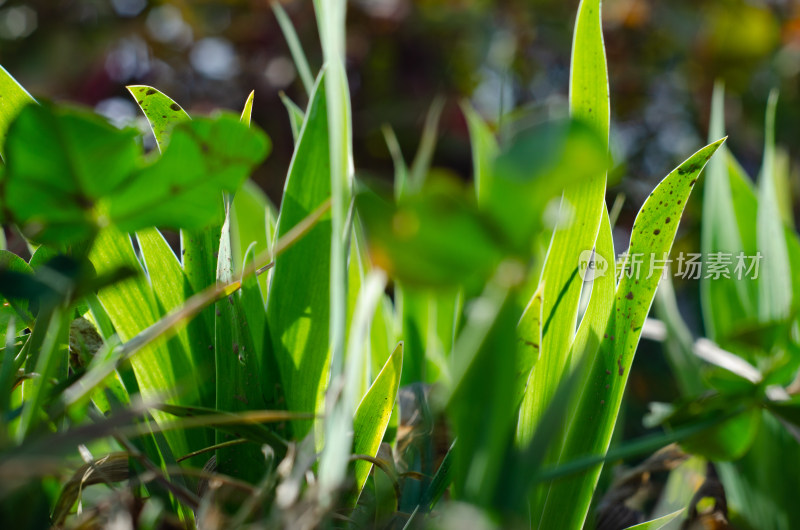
(687, 265)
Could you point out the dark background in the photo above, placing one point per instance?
(664, 56)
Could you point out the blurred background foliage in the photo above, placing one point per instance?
(663, 56)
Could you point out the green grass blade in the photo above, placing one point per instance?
(166, 278)
(589, 100)
(774, 299)
(372, 417)
(331, 16)
(162, 369)
(399, 163)
(296, 116)
(298, 306)
(590, 431)
(655, 524)
(52, 355)
(592, 326)
(484, 149)
(14, 97)
(678, 344)
(237, 378)
(339, 425)
(236, 358)
(253, 306)
(725, 301)
(250, 216)
(295, 48)
(247, 111)
(197, 246)
(529, 340)
(421, 164)
(382, 333)
(601, 300)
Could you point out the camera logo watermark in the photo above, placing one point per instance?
(687, 265)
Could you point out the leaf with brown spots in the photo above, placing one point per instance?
(162, 112)
(590, 431)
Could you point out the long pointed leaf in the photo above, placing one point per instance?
(583, 205)
(598, 407)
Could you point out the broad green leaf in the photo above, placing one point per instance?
(431, 239)
(524, 462)
(356, 272)
(162, 112)
(181, 189)
(104, 181)
(372, 416)
(593, 423)
(655, 524)
(774, 299)
(481, 396)
(728, 441)
(235, 350)
(53, 197)
(484, 149)
(533, 170)
(764, 468)
(236, 357)
(582, 206)
(429, 320)
(298, 306)
(382, 334)
(12, 99)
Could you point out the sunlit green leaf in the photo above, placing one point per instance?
(593, 422)
(298, 306)
(372, 415)
(13, 99)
